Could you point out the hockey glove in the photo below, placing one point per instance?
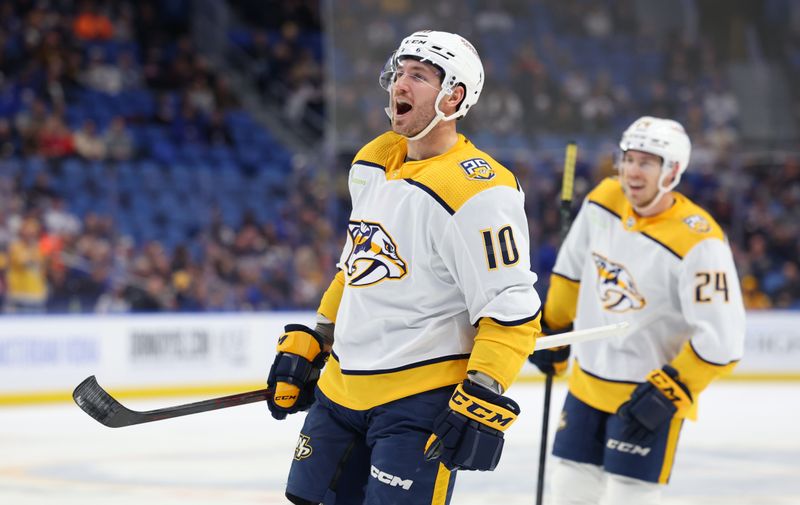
(654, 403)
(469, 434)
(295, 371)
(552, 361)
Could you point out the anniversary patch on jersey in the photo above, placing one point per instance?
(616, 287)
(698, 223)
(478, 169)
(373, 256)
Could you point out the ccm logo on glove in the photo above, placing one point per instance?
(479, 410)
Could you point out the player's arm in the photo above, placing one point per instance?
(562, 296)
(711, 302)
(485, 247)
(300, 355)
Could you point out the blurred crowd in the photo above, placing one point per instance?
(115, 95)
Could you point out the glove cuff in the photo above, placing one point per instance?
(484, 406)
(302, 341)
(666, 381)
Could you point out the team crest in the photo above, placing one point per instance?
(698, 223)
(478, 169)
(616, 287)
(303, 448)
(373, 255)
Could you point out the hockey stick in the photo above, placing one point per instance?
(567, 183)
(106, 410)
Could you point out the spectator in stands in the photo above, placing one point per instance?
(55, 139)
(26, 275)
(101, 75)
(10, 143)
(91, 23)
(88, 143)
(118, 140)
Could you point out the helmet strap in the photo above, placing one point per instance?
(439, 116)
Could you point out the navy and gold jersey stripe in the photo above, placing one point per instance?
(671, 229)
(442, 177)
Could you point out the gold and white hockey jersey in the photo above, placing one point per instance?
(672, 276)
(434, 277)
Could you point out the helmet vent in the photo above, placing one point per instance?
(442, 52)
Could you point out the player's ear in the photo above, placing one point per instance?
(452, 100)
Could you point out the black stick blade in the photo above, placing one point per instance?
(104, 409)
(101, 406)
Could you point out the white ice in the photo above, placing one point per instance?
(745, 449)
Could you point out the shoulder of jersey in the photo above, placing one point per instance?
(382, 151)
(464, 173)
(686, 225)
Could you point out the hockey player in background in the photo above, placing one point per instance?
(433, 311)
(638, 252)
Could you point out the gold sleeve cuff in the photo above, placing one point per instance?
(329, 305)
(697, 373)
(501, 350)
(562, 301)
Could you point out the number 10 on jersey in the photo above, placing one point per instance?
(504, 239)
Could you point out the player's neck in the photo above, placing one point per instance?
(438, 141)
(665, 203)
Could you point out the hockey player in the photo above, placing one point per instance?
(433, 311)
(638, 252)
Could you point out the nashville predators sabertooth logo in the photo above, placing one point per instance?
(616, 287)
(373, 256)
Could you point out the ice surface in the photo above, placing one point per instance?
(745, 449)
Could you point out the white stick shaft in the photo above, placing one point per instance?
(574, 337)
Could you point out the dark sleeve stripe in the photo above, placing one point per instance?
(518, 322)
(418, 364)
(662, 245)
(369, 164)
(565, 277)
(607, 380)
(606, 209)
(433, 194)
(707, 361)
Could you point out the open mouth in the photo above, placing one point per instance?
(402, 108)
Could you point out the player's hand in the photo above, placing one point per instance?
(551, 361)
(295, 371)
(469, 434)
(654, 403)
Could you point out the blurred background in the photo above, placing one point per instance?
(187, 156)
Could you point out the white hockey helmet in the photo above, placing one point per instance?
(453, 55)
(665, 138)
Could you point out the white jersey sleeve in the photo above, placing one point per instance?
(486, 249)
(711, 302)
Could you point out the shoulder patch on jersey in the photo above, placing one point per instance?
(477, 169)
(445, 176)
(697, 223)
(685, 226)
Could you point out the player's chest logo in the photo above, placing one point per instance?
(616, 287)
(373, 255)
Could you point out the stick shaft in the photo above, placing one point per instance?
(567, 186)
(578, 336)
